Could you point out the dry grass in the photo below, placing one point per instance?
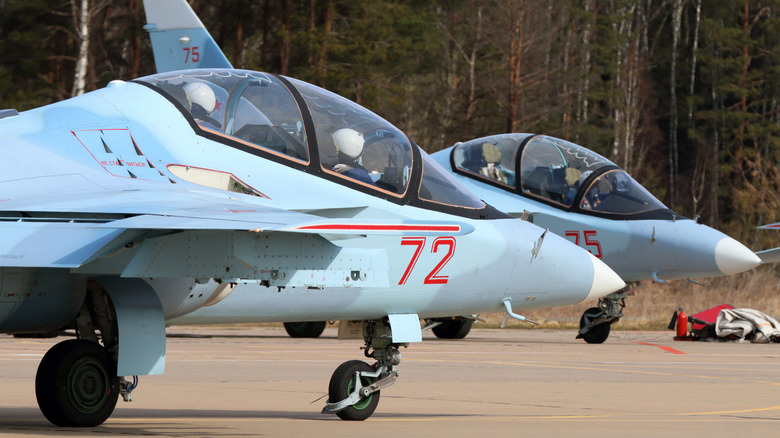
(652, 305)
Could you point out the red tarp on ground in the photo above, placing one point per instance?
(709, 316)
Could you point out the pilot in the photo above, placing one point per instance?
(202, 101)
(574, 179)
(349, 146)
(493, 168)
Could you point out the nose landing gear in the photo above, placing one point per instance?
(596, 322)
(354, 389)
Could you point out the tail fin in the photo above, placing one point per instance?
(179, 39)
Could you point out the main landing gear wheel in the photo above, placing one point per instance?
(76, 384)
(305, 329)
(343, 383)
(455, 328)
(598, 333)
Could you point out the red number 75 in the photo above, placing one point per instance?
(588, 236)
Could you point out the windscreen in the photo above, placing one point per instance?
(615, 192)
(440, 187)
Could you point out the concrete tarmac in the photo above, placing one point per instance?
(233, 382)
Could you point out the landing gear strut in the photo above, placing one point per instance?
(353, 393)
(596, 322)
(77, 384)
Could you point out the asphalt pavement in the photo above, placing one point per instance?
(235, 382)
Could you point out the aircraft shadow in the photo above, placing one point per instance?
(28, 421)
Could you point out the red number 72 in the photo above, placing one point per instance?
(419, 242)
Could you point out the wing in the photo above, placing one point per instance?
(769, 255)
(69, 230)
(201, 234)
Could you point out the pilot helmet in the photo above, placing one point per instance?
(201, 94)
(349, 142)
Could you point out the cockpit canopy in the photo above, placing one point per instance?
(304, 126)
(556, 172)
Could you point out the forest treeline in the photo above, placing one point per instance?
(684, 94)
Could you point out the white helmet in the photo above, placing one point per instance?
(349, 142)
(202, 94)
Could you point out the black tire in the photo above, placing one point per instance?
(342, 383)
(305, 329)
(456, 328)
(597, 334)
(76, 384)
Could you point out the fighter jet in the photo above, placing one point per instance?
(650, 243)
(580, 195)
(145, 200)
(181, 41)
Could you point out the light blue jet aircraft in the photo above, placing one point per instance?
(638, 237)
(578, 194)
(143, 201)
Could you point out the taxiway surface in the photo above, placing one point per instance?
(229, 382)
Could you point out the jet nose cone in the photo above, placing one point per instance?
(605, 280)
(733, 257)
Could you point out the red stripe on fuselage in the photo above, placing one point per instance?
(358, 227)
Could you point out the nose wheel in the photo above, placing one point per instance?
(353, 392)
(595, 334)
(596, 322)
(76, 384)
(351, 378)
